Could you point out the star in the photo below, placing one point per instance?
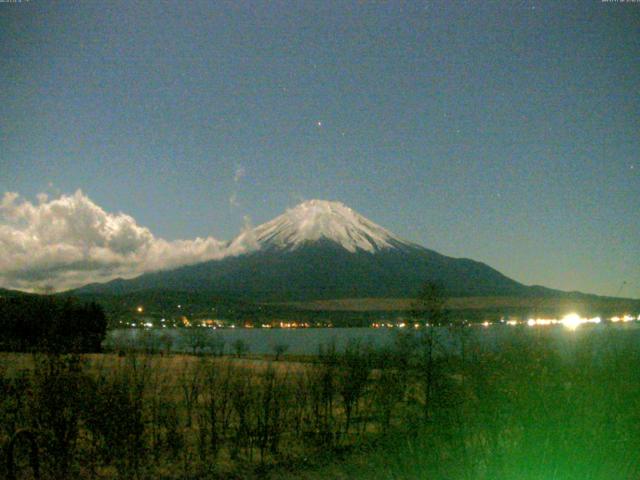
(319, 124)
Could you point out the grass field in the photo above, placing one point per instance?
(524, 412)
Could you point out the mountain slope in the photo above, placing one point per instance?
(321, 220)
(320, 270)
(323, 250)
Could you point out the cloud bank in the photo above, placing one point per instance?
(70, 241)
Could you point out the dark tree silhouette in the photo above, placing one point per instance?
(47, 323)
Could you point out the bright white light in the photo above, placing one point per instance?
(625, 318)
(571, 321)
(531, 322)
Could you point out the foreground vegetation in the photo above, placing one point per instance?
(406, 412)
(521, 413)
(52, 324)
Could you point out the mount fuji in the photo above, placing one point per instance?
(324, 250)
(317, 220)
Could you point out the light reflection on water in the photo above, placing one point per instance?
(308, 341)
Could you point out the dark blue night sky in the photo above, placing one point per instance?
(506, 131)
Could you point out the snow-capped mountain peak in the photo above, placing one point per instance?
(319, 219)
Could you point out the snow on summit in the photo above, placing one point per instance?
(319, 219)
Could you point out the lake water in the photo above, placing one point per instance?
(308, 341)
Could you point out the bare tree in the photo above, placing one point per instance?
(352, 378)
(280, 349)
(428, 310)
(240, 347)
(195, 338)
(190, 381)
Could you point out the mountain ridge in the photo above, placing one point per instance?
(323, 250)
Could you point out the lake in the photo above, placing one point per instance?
(308, 341)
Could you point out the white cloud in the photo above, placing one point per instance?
(70, 241)
(247, 240)
(240, 172)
